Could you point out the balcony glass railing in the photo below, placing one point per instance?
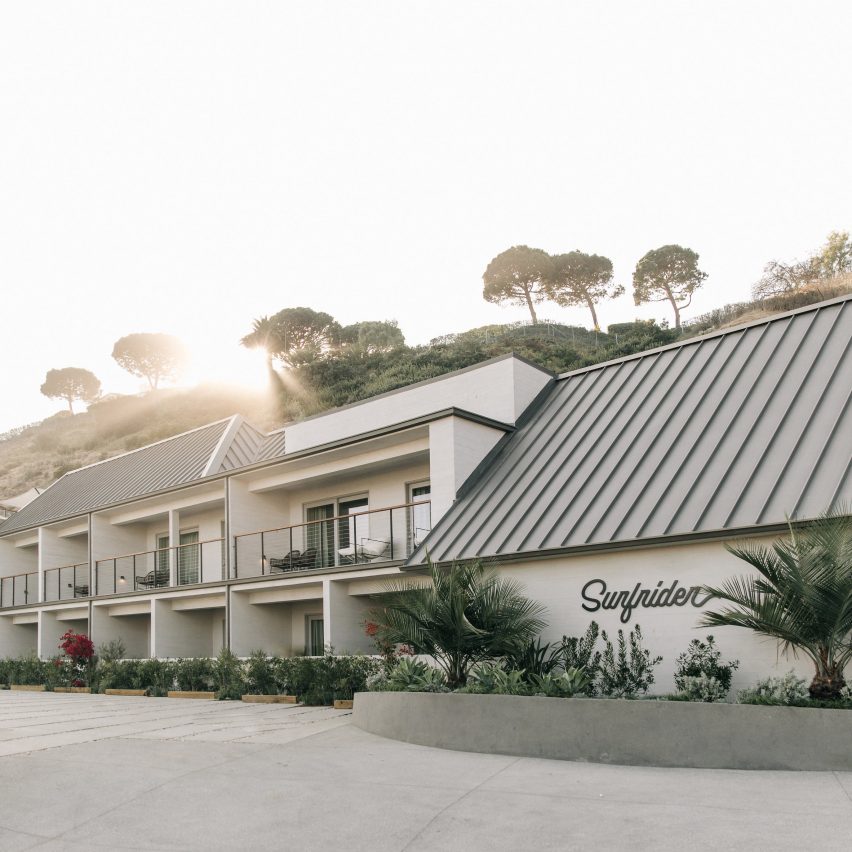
(69, 581)
(356, 538)
(181, 565)
(19, 589)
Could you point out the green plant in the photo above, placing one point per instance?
(260, 674)
(157, 677)
(29, 670)
(120, 674)
(194, 674)
(465, 615)
(111, 651)
(322, 680)
(566, 685)
(701, 660)
(535, 658)
(786, 690)
(578, 652)
(493, 679)
(229, 676)
(629, 671)
(411, 675)
(701, 687)
(802, 597)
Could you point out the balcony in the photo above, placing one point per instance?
(19, 589)
(67, 582)
(356, 538)
(180, 565)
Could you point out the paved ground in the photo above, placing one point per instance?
(91, 772)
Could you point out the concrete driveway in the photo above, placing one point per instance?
(93, 772)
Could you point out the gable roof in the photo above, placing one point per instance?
(173, 461)
(733, 431)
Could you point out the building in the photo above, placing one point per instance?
(608, 492)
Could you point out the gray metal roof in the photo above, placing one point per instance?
(174, 461)
(732, 431)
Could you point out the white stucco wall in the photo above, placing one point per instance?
(558, 584)
(500, 390)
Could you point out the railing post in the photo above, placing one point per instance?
(114, 574)
(290, 552)
(390, 512)
(236, 552)
(262, 556)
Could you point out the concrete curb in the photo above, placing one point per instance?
(637, 733)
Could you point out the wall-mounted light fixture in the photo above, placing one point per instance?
(121, 579)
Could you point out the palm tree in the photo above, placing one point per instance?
(802, 597)
(465, 615)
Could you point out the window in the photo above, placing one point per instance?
(325, 538)
(188, 558)
(419, 516)
(315, 644)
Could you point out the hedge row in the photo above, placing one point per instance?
(314, 680)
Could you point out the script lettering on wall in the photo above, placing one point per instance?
(596, 596)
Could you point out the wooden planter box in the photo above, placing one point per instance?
(82, 690)
(176, 693)
(124, 692)
(269, 699)
(27, 687)
(342, 703)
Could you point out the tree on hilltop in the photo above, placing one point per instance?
(371, 336)
(578, 278)
(517, 276)
(154, 357)
(70, 384)
(294, 335)
(668, 274)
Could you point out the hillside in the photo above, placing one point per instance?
(38, 454)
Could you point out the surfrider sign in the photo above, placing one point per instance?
(597, 597)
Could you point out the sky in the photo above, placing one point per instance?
(185, 167)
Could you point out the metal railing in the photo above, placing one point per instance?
(373, 535)
(69, 581)
(19, 589)
(179, 565)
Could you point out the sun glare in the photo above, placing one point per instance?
(233, 366)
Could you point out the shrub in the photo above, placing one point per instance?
(156, 677)
(630, 671)
(701, 687)
(786, 690)
(493, 679)
(412, 675)
(120, 674)
(228, 676)
(566, 685)
(29, 670)
(260, 675)
(702, 659)
(111, 651)
(75, 668)
(578, 652)
(321, 680)
(535, 658)
(194, 674)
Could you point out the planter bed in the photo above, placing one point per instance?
(176, 693)
(640, 733)
(343, 703)
(82, 690)
(269, 699)
(28, 687)
(124, 692)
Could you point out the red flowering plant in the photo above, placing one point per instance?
(388, 651)
(76, 664)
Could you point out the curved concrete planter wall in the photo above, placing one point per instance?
(641, 733)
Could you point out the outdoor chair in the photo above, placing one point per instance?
(81, 591)
(306, 560)
(278, 565)
(154, 579)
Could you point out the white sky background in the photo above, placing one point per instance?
(186, 167)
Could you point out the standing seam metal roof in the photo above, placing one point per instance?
(733, 431)
(174, 461)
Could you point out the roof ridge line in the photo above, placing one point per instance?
(700, 338)
(145, 447)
